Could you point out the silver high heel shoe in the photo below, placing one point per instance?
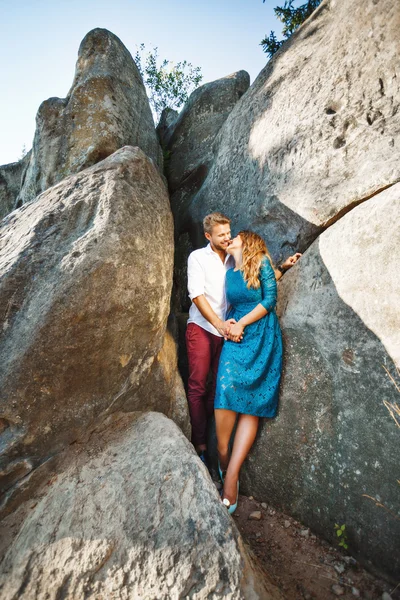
(231, 507)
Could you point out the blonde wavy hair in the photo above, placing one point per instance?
(254, 250)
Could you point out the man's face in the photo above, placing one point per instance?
(219, 237)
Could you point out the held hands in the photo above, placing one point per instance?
(224, 327)
(235, 333)
(231, 330)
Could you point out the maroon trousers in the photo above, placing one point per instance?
(203, 349)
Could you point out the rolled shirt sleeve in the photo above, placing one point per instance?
(196, 277)
(268, 285)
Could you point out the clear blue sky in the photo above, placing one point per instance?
(39, 41)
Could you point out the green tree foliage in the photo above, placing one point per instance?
(167, 84)
(291, 17)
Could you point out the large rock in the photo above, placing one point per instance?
(189, 138)
(164, 377)
(136, 516)
(106, 108)
(165, 125)
(86, 275)
(333, 448)
(10, 183)
(189, 142)
(316, 133)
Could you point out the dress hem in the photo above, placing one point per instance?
(243, 412)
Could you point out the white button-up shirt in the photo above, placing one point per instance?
(206, 275)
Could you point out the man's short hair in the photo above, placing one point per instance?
(212, 219)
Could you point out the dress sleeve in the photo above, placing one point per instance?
(196, 277)
(268, 285)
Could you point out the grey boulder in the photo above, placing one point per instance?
(135, 515)
(331, 455)
(316, 133)
(105, 109)
(86, 275)
(190, 136)
(188, 140)
(10, 183)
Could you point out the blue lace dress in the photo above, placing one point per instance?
(249, 371)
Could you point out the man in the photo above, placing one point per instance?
(206, 324)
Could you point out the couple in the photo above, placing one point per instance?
(235, 274)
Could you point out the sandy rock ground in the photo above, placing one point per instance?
(301, 564)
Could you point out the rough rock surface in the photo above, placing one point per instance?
(165, 127)
(316, 133)
(136, 518)
(190, 148)
(106, 109)
(191, 136)
(188, 140)
(10, 184)
(86, 275)
(163, 374)
(333, 448)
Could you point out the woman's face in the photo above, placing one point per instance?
(234, 244)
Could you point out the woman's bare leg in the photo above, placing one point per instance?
(246, 432)
(224, 423)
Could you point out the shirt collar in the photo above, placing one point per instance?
(211, 251)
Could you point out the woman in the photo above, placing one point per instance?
(251, 360)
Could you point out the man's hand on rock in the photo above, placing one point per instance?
(289, 262)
